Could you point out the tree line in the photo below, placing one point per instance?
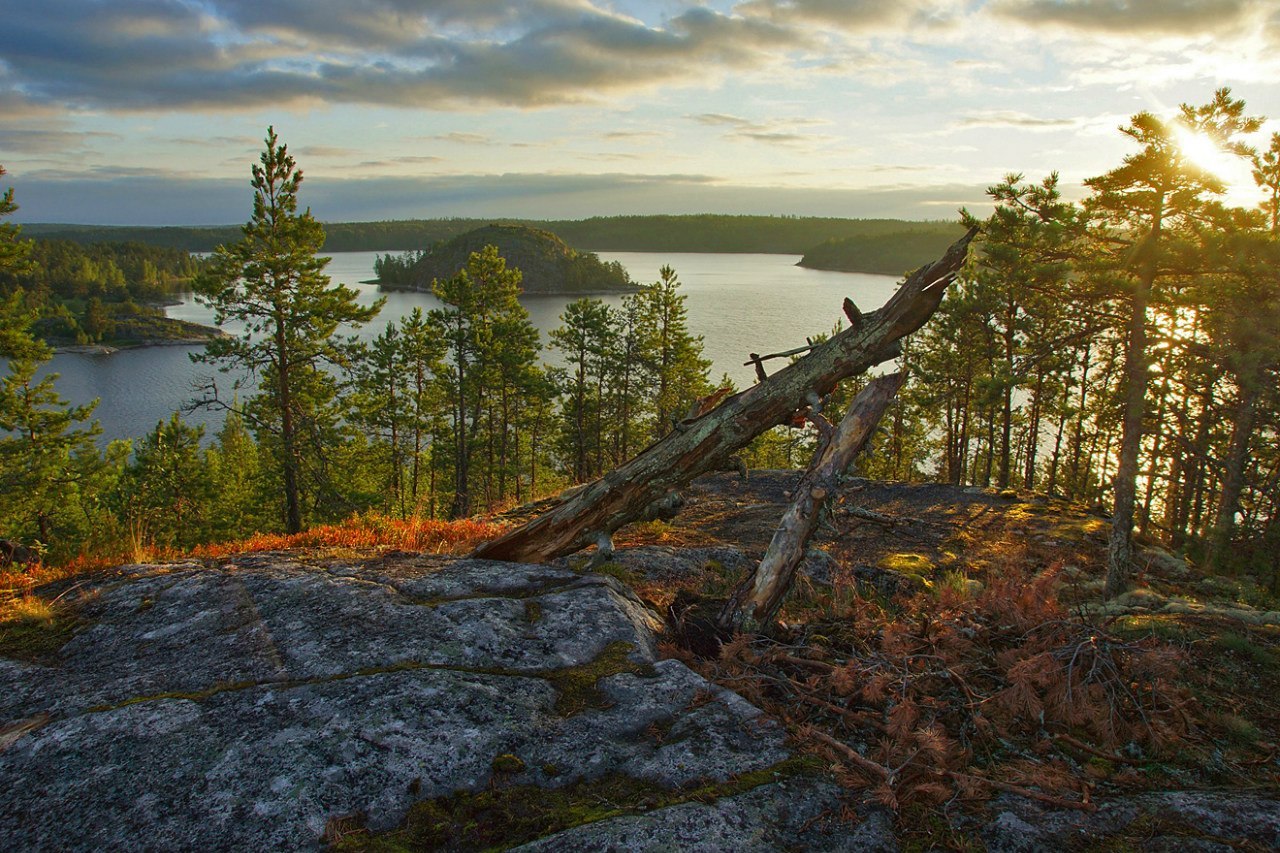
(445, 413)
(705, 232)
(1123, 351)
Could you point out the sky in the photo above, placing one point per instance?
(153, 111)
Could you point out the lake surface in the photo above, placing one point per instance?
(739, 304)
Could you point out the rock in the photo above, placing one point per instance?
(1164, 821)
(15, 553)
(663, 563)
(784, 815)
(249, 705)
(1165, 564)
(886, 583)
(819, 567)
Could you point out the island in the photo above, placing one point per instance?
(893, 253)
(548, 264)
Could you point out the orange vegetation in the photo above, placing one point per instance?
(369, 532)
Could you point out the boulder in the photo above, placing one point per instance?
(260, 702)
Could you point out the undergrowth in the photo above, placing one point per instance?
(947, 698)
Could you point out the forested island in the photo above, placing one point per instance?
(546, 264)
(103, 295)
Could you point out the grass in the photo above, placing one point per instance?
(33, 629)
(500, 817)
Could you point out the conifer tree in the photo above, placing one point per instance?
(272, 284)
(1137, 208)
(679, 372)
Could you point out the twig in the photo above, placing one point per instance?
(1022, 792)
(855, 717)
(1084, 747)
(803, 663)
(852, 755)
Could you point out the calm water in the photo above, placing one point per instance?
(738, 303)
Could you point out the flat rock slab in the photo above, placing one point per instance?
(248, 705)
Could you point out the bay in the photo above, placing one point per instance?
(739, 304)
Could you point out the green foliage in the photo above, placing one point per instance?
(272, 284)
(546, 264)
(167, 490)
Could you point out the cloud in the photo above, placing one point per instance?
(223, 54)
(1190, 18)
(774, 132)
(856, 15)
(1010, 118)
(47, 141)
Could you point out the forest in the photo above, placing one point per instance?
(100, 293)
(790, 235)
(1122, 352)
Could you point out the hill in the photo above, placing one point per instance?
(946, 657)
(890, 254)
(547, 264)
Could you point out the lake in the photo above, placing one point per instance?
(739, 304)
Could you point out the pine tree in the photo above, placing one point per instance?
(582, 337)
(675, 356)
(272, 283)
(167, 489)
(1138, 207)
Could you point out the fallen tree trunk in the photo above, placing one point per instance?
(756, 600)
(624, 494)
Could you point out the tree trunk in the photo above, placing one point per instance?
(756, 600)
(623, 495)
(1120, 550)
(1233, 475)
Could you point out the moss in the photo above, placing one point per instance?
(500, 818)
(532, 612)
(34, 630)
(1238, 729)
(577, 685)
(550, 770)
(1243, 645)
(620, 573)
(909, 564)
(508, 763)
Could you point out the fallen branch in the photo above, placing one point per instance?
(756, 600)
(622, 495)
(853, 756)
(1059, 802)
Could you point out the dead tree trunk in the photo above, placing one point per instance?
(624, 494)
(756, 600)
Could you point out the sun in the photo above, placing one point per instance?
(1239, 189)
(1204, 153)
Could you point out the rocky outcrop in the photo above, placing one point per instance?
(261, 702)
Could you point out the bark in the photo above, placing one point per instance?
(623, 495)
(756, 600)
(1233, 479)
(1120, 550)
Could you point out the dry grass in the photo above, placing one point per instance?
(369, 533)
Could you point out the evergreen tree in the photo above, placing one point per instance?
(490, 348)
(47, 451)
(167, 490)
(678, 370)
(1138, 207)
(272, 283)
(583, 337)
